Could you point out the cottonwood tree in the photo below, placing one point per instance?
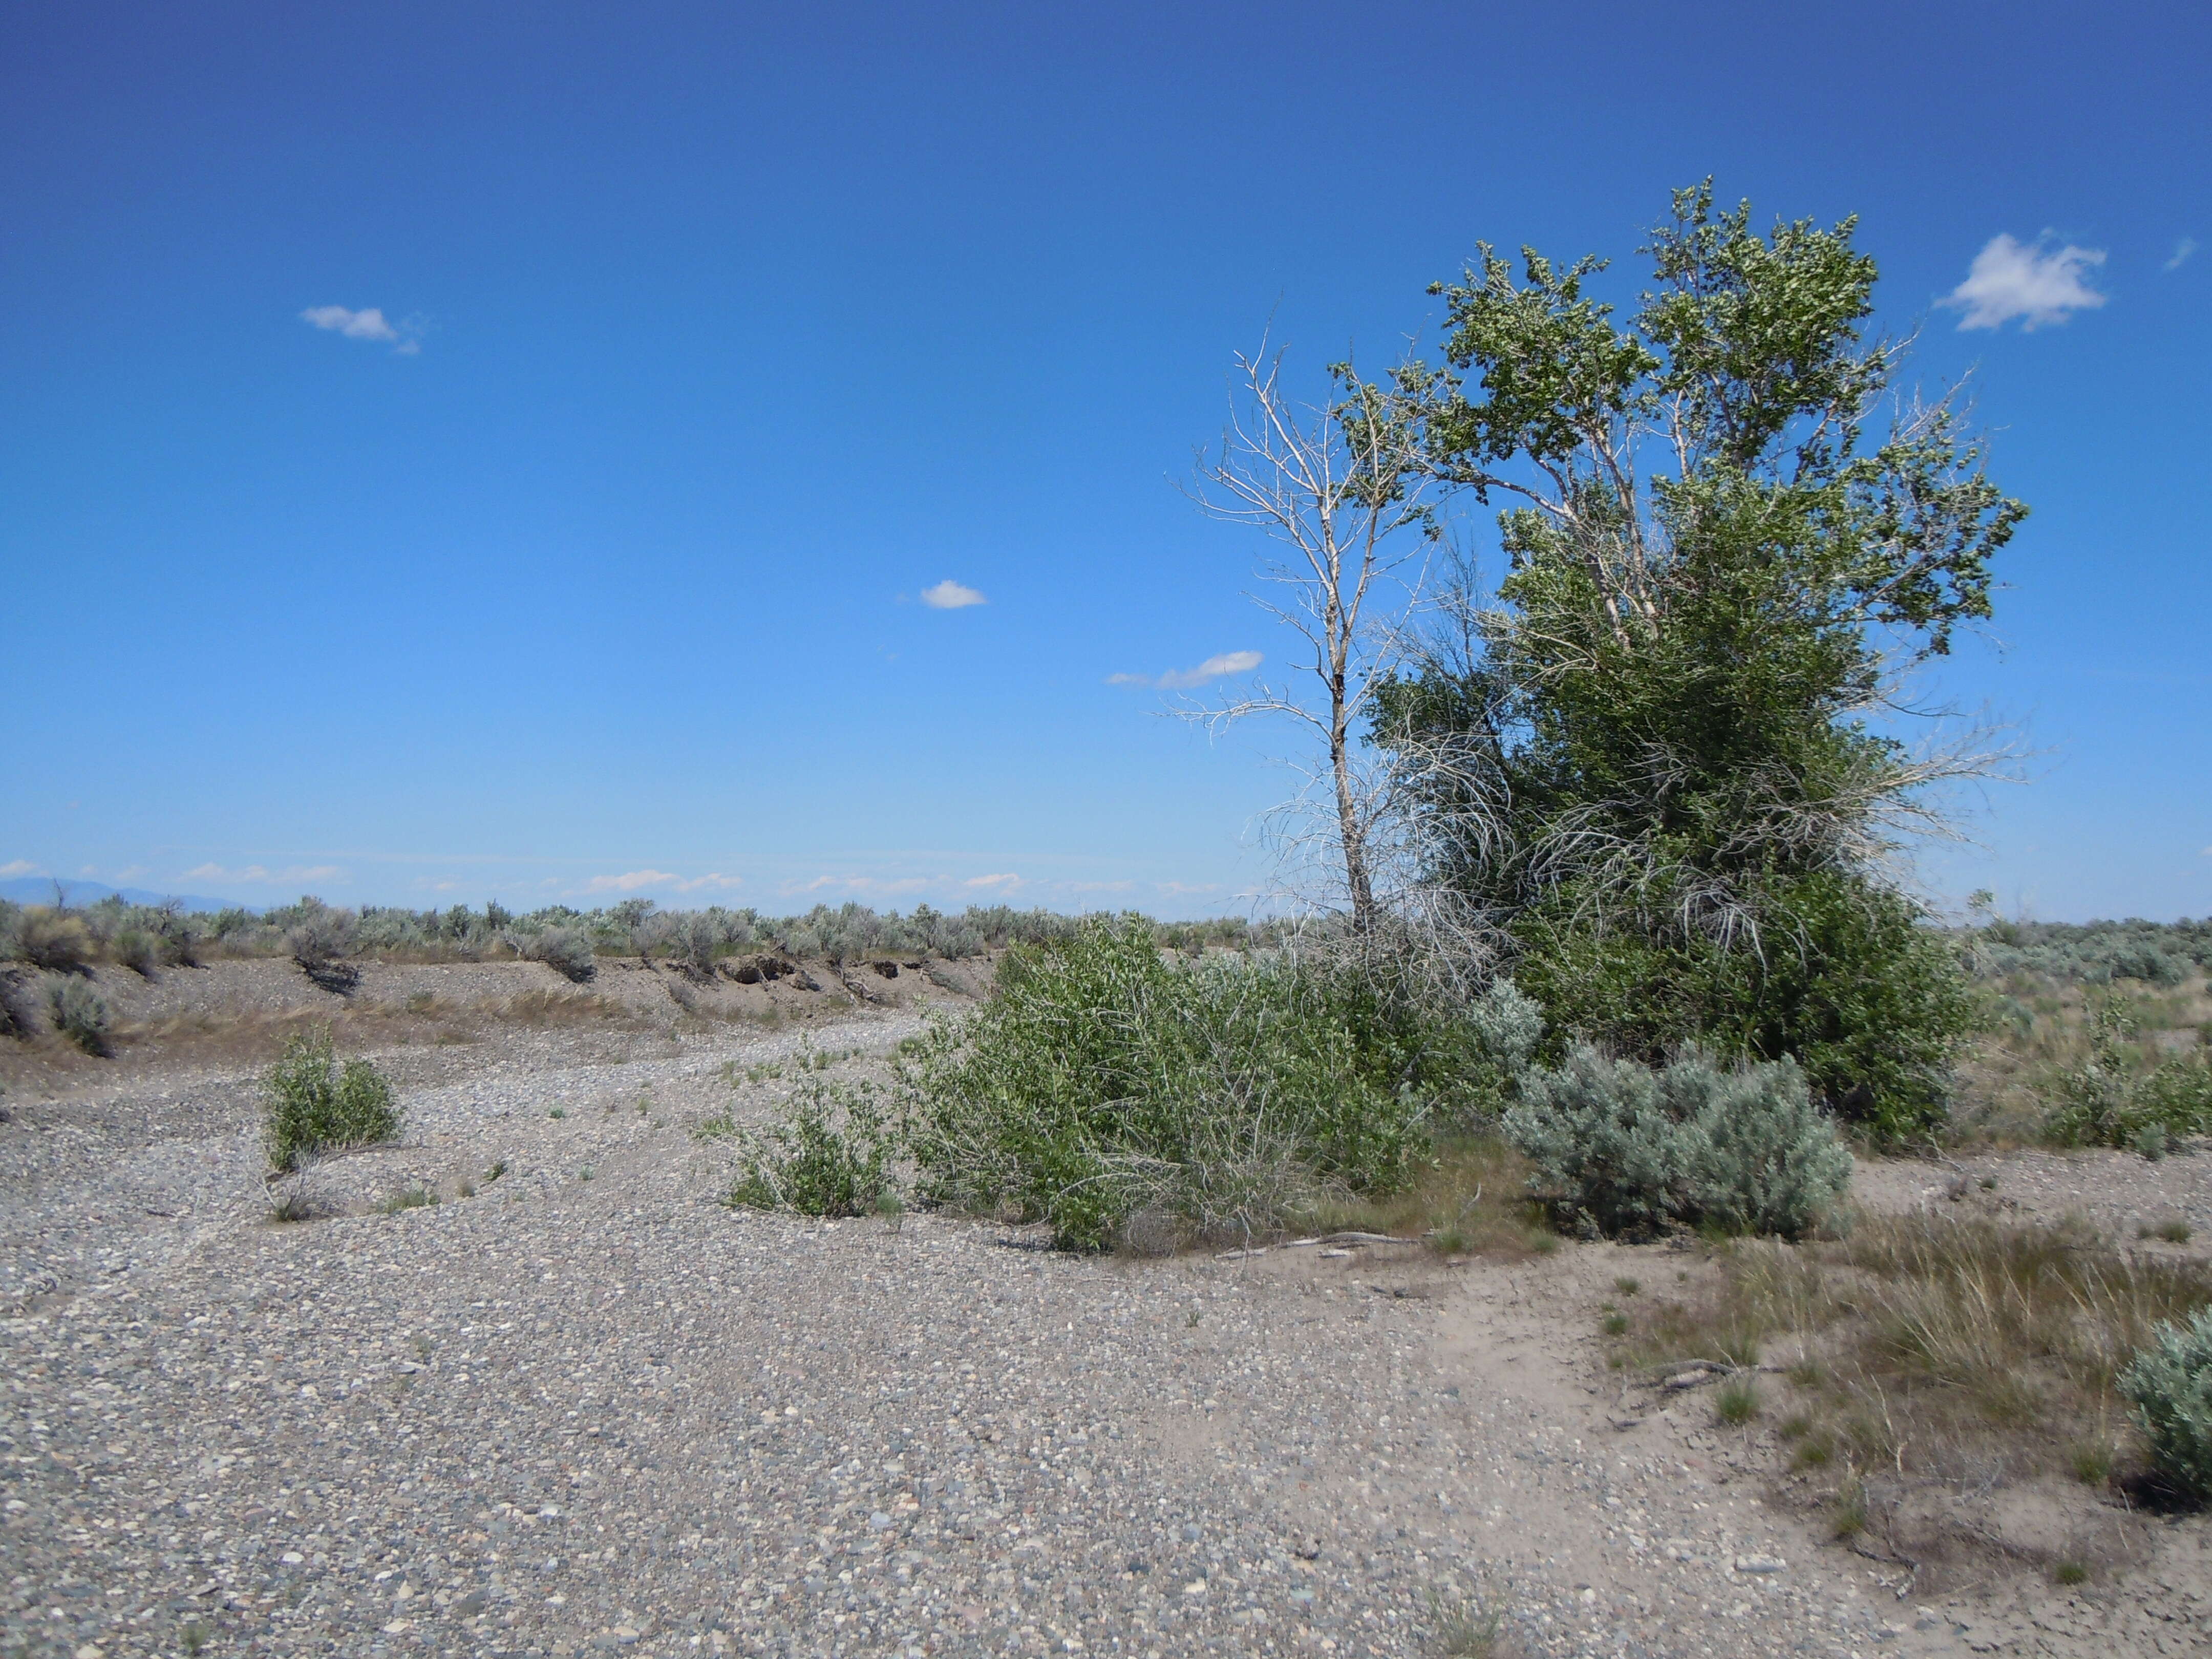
(1344, 487)
(1663, 749)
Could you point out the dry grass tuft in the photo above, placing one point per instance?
(1925, 1350)
(1471, 1199)
(541, 1008)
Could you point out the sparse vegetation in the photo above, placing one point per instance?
(830, 1152)
(312, 1105)
(416, 1196)
(1466, 1629)
(1924, 1347)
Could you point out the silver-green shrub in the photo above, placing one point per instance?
(312, 1105)
(567, 950)
(1626, 1149)
(2170, 1384)
(1507, 1023)
(78, 1010)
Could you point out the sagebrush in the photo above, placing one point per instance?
(2169, 1385)
(78, 1010)
(1620, 1148)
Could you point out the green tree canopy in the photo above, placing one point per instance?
(1649, 757)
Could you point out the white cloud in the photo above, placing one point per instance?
(630, 881)
(885, 886)
(20, 867)
(367, 325)
(263, 873)
(949, 595)
(2011, 279)
(1182, 887)
(1182, 679)
(131, 872)
(1094, 886)
(2181, 250)
(1004, 882)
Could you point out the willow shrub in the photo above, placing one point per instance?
(1117, 1095)
(313, 1105)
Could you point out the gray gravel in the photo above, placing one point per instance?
(569, 1415)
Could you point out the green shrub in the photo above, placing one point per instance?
(2170, 1384)
(78, 1010)
(1872, 1004)
(311, 1105)
(1626, 1149)
(2111, 1100)
(830, 1154)
(1103, 1084)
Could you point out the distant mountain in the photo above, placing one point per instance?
(39, 890)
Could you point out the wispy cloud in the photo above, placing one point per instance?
(21, 867)
(632, 881)
(949, 595)
(1004, 882)
(368, 324)
(1182, 679)
(261, 872)
(882, 884)
(2181, 250)
(2028, 281)
(1181, 888)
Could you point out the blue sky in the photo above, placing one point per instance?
(705, 340)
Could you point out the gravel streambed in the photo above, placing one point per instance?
(588, 1409)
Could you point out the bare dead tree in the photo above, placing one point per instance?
(1343, 488)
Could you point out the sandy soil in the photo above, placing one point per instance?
(587, 1408)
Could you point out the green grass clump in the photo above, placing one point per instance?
(831, 1153)
(311, 1105)
(1737, 1402)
